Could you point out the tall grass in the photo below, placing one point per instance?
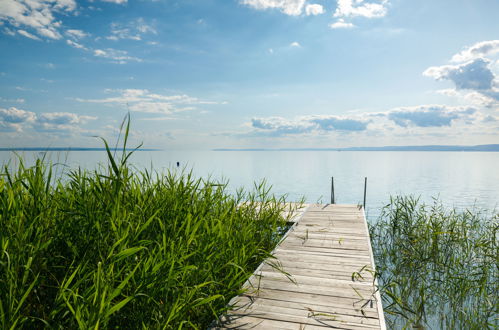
(116, 248)
(437, 268)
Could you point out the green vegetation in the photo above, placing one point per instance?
(437, 268)
(116, 248)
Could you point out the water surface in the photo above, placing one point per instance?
(459, 179)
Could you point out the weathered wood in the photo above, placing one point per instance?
(328, 280)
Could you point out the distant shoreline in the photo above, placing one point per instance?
(483, 147)
(71, 149)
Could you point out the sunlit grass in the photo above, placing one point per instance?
(116, 248)
(437, 268)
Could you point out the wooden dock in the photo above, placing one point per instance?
(329, 282)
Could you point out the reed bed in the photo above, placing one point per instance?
(437, 269)
(119, 248)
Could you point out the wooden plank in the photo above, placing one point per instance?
(306, 254)
(354, 291)
(243, 301)
(341, 263)
(308, 317)
(265, 305)
(353, 303)
(325, 246)
(337, 273)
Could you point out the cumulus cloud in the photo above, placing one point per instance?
(474, 74)
(60, 122)
(288, 7)
(480, 49)
(295, 44)
(487, 99)
(353, 8)
(12, 119)
(428, 115)
(142, 100)
(278, 126)
(38, 15)
(16, 120)
(336, 123)
(63, 118)
(314, 9)
(341, 24)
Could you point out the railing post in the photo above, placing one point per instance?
(365, 189)
(332, 190)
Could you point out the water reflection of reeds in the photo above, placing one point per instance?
(437, 268)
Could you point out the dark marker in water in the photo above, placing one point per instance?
(178, 164)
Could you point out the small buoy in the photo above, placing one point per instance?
(178, 164)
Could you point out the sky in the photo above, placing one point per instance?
(203, 74)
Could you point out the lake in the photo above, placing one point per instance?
(458, 179)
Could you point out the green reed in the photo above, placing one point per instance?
(437, 268)
(116, 248)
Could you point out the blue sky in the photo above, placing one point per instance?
(202, 74)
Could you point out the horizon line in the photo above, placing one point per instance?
(480, 147)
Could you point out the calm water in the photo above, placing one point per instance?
(459, 179)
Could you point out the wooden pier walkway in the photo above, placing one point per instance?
(329, 283)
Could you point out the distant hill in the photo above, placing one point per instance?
(482, 147)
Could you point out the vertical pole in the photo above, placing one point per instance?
(365, 189)
(332, 190)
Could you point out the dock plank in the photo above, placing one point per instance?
(327, 244)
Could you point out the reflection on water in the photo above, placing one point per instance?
(459, 179)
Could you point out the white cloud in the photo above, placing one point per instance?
(474, 75)
(341, 24)
(76, 34)
(480, 49)
(38, 15)
(472, 97)
(76, 45)
(9, 32)
(295, 44)
(133, 30)
(119, 2)
(475, 80)
(49, 33)
(62, 123)
(314, 9)
(114, 55)
(16, 120)
(353, 8)
(18, 100)
(13, 119)
(421, 119)
(142, 100)
(279, 126)
(288, 7)
(117, 56)
(428, 115)
(63, 118)
(28, 35)
(14, 115)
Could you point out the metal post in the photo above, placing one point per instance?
(332, 190)
(365, 189)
